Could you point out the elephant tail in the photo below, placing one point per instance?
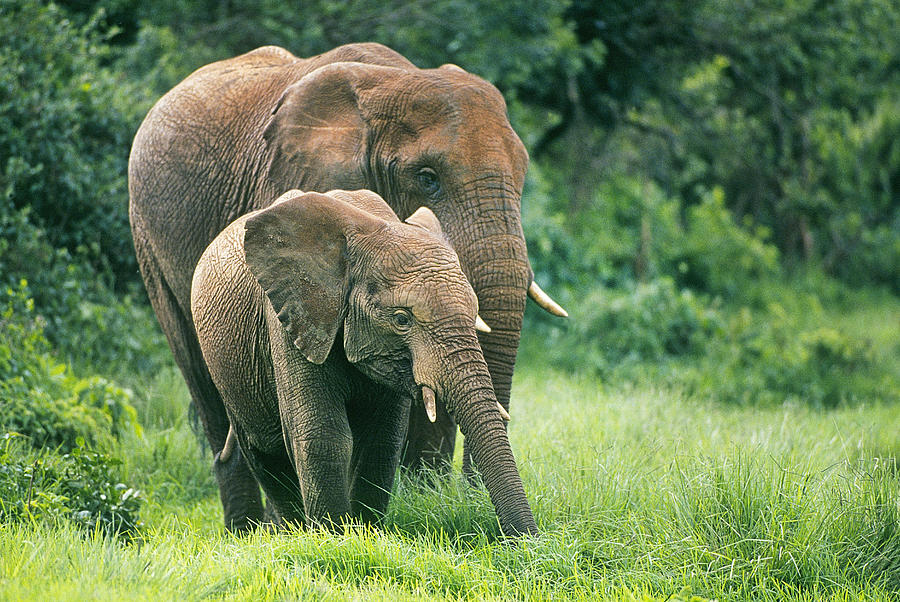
(223, 456)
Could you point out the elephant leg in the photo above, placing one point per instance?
(320, 443)
(278, 478)
(429, 446)
(238, 490)
(323, 466)
(377, 442)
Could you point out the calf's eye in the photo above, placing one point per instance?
(401, 319)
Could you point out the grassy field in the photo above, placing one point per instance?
(639, 494)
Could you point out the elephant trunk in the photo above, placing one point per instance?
(495, 260)
(469, 396)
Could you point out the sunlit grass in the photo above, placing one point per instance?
(639, 494)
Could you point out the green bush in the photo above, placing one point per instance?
(634, 232)
(82, 486)
(41, 397)
(612, 328)
(780, 349)
(767, 357)
(66, 122)
(82, 318)
(718, 256)
(622, 236)
(859, 179)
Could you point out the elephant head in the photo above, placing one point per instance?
(342, 272)
(438, 138)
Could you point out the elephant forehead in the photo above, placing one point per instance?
(420, 99)
(439, 297)
(419, 263)
(427, 278)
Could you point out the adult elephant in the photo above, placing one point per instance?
(236, 134)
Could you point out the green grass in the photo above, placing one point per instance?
(638, 493)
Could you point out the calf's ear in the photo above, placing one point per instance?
(297, 251)
(424, 218)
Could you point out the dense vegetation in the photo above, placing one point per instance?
(714, 194)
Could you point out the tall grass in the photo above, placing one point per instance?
(639, 494)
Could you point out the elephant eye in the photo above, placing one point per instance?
(401, 319)
(428, 181)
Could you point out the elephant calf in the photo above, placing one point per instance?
(322, 318)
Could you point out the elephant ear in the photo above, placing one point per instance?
(368, 201)
(452, 67)
(296, 249)
(317, 135)
(424, 218)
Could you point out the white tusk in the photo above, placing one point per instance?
(480, 326)
(544, 300)
(428, 398)
(230, 440)
(503, 413)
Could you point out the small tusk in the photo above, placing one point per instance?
(480, 326)
(544, 300)
(503, 413)
(428, 398)
(225, 454)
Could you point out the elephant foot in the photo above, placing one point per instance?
(271, 517)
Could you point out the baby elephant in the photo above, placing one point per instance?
(322, 318)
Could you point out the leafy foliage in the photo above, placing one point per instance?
(66, 122)
(81, 316)
(770, 359)
(42, 398)
(647, 323)
(760, 100)
(81, 487)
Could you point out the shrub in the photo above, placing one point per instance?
(82, 318)
(745, 355)
(858, 162)
(768, 358)
(83, 487)
(634, 232)
(718, 256)
(66, 122)
(41, 397)
(648, 322)
(621, 237)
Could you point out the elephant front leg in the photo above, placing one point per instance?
(377, 442)
(276, 474)
(314, 421)
(323, 465)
